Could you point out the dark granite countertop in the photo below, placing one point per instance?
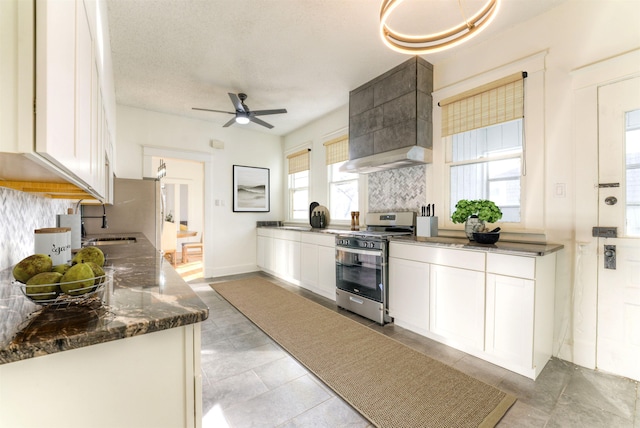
(146, 295)
(307, 229)
(502, 247)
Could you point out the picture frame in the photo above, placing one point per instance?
(251, 191)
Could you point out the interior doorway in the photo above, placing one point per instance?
(188, 179)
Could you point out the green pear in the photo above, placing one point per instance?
(31, 266)
(89, 254)
(43, 286)
(98, 272)
(78, 280)
(61, 269)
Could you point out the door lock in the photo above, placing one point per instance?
(610, 257)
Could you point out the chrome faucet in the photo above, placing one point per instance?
(82, 217)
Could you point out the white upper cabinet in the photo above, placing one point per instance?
(74, 101)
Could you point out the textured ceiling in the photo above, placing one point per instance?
(302, 55)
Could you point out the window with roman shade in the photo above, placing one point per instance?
(298, 183)
(484, 130)
(490, 104)
(343, 186)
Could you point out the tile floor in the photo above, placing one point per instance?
(249, 381)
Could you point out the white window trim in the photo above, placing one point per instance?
(305, 146)
(533, 183)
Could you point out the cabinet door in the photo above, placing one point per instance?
(309, 265)
(457, 305)
(509, 331)
(409, 294)
(265, 256)
(55, 81)
(287, 259)
(327, 271)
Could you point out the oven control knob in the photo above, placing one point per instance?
(372, 245)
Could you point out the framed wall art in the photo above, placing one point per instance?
(250, 189)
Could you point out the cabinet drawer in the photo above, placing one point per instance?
(287, 235)
(265, 232)
(502, 264)
(326, 240)
(473, 260)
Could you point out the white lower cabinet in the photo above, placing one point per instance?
(457, 306)
(498, 307)
(409, 295)
(278, 252)
(318, 264)
(510, 303)
(304, 259)
(150, 380)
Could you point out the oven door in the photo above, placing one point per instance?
(361, 272)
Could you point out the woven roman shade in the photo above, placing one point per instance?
(298, 161)
(337, 150)
(490, 104)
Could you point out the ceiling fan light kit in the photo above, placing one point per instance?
(435, 42)
(243, 114)
(242, 120)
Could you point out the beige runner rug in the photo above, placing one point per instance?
(389, 383)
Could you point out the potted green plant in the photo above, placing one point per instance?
(474, 213)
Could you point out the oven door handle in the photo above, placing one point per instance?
(376, 253)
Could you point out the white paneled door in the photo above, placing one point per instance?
(618, 336)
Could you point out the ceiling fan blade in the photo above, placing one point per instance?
(236, 102)
(231, 122)
(260, 122)
(263, 112)
(215, 111)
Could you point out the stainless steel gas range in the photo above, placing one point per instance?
(362, 276)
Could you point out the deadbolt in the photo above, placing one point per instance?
(611, 200)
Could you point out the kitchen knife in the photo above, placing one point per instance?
(428, 210)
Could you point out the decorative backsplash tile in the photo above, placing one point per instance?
(403, 189)
(21, 214)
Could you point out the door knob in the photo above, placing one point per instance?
(609, 256)
(611, 200)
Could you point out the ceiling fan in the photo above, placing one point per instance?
(243, 114)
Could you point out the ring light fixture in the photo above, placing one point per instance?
(435, 42)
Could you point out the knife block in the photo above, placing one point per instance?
(427, 226)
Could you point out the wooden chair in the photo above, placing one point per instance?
(193, 247)
(169, 241)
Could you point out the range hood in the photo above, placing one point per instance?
(390, 122)
(399, 158)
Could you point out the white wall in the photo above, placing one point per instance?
(575, 34)
(332, 125)
(230, 241)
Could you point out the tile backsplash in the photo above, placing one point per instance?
(402, 189)
(21, 214)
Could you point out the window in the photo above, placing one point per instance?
(299, 195)
(486, 163)
(299, 185)
(485, 145)
(343, 186)
(633, 172)
(343, 192)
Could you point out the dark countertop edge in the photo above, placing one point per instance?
(501, 247)
(52, 346)
(190, 315)
(324, 231)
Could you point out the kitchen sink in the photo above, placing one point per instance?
(97, 242)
